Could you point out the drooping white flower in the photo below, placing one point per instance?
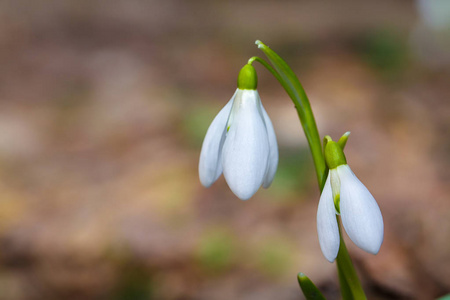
(241, 143)
(344, 194)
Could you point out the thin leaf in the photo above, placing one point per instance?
(310, 291)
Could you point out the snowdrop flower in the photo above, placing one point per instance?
(344, 194)
(241, 142)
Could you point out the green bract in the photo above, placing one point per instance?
(247, 79)
(334, 156)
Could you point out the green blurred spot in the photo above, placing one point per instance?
(385, 50)
(293, 174)
(216, 250)
(275, 256)
(196, 122)
(446, 297)
(134, 282)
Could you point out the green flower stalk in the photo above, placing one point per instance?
(241, 144)
(350, 286)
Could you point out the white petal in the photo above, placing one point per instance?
(327, 227)
(360, 213)
(210, 165)
(273, 150)
(335, 183)
(246, 149)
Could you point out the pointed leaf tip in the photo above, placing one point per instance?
(260, 44)
(343, 140)
(310, 291)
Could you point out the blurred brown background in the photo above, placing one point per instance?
(103, 109)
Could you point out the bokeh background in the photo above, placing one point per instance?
(103, 109)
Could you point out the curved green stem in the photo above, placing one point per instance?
(350, 285)
(271, 70)
(295, 90)
(348, 278)
(267, 66)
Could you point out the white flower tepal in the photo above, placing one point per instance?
(344, 194)
(360, 213)
(210, 166)
(327, 227)
(241, 143)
